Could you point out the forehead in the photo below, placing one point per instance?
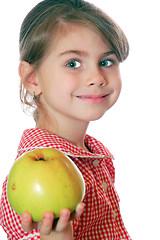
(76, 35)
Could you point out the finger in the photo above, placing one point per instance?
(78, 212)
(46, 226)
(38, 225)
(26, 221)
(63, 220)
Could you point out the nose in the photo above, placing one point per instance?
(96, 78)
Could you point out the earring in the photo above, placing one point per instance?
(34, 96)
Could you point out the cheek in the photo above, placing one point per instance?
(117, 86)
(117, 83)
(69, 84)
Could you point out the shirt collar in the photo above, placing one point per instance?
(35, 138)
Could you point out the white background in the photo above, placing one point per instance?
(130, 129)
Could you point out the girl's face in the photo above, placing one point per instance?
(79, 78)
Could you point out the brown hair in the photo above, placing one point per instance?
(48, 16)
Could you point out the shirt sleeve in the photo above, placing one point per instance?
(11, 221)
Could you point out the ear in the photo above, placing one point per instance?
(28, 75)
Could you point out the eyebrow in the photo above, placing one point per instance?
(83, 53)
(109, 53)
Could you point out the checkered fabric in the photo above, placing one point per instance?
(101, 219)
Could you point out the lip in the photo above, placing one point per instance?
(93, 98)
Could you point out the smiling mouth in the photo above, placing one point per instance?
(93, 98)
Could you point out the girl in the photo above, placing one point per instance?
(70, 53)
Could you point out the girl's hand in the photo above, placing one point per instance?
(63, 228)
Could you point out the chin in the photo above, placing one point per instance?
(94, 117)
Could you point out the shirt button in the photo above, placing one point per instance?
(95, 163)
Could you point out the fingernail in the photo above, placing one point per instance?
(81, 206)
(47, 217)
(65, 214)
(25, 217)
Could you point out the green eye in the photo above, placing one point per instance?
(73, 64)
(106, 63)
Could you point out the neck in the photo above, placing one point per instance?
(72, 131)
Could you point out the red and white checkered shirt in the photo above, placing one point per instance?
(101, 219)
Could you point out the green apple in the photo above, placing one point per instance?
(44, 180)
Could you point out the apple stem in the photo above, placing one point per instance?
(41, 159)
